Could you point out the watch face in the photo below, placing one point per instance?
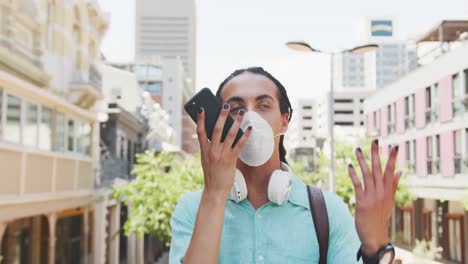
(387, 257)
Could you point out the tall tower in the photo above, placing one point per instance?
(166, 28)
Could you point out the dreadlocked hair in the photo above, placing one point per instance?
(285, 105)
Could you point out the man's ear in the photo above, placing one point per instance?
(285, 122)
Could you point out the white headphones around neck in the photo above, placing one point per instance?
(279, 186)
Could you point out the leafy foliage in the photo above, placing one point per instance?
(152, 196)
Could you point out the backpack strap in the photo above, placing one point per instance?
(318, 210)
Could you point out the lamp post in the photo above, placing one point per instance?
(305, 47)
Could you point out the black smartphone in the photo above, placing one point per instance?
(212, 107)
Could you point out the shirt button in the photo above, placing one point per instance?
(259, 216)
(260, 258)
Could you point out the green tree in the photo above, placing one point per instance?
(161, 179)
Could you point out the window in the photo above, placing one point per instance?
(307, 128)
(344, 123)
(346, 112)
(409, 111)
(377, 121)
(60, 132)
(411, 156)
(429, 155)
(71, 135)
(45, 129)
(307, 107)
(391, 118)
(435, 103)
(428, 105)
(343, 100)
(458, 155)
(465, 73)
(457, 95)
(13, 119)
(84, 138)
(154, 88)
(307, 117)
(31, 128)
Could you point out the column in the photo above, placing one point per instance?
(3, 226)
(52, 219)
(114, 241)
(85, 235)
(140, 249)
(36, 239)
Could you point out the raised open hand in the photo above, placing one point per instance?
(376, 199)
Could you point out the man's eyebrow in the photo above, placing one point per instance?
(235, 99)
(264, 96)
(241, 100)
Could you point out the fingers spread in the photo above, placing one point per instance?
(356, 182)
(390, 169)
(376, 166)
(366, 173)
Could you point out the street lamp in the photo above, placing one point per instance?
(305, 47)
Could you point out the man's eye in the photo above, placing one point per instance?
(264, 106)
(235, 110)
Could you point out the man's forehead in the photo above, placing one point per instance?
(248, 87)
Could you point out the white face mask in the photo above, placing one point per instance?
(259, 147)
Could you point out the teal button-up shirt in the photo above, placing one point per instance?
(272, 234)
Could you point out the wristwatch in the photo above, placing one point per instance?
(384, 255)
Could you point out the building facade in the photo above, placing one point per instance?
(165, 80)
(167, 29)
(307, 131)
(425, 113)
(49, 134)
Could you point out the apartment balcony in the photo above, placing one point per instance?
(28, 171)
(18, 58)
(86, 89)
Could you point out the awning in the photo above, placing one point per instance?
(447, 30)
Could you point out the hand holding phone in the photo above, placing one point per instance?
(212, 106)
(221, 141)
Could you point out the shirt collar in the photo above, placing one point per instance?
(298, 194)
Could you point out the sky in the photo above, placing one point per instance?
(239, 33)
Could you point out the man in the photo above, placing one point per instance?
(272, 223)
